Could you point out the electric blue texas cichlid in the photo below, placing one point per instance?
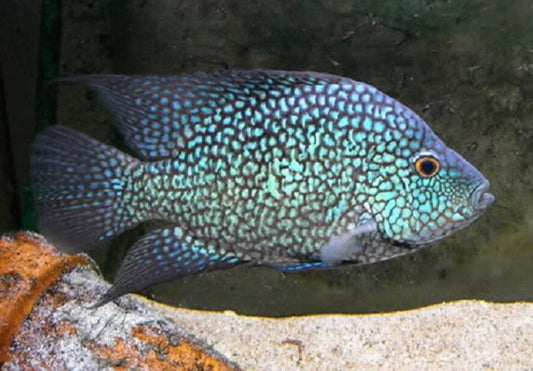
(294, 170)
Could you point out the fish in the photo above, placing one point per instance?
(284, 169)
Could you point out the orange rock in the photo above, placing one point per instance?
(28, 266)
(62, 332)
(184, 355)
(162, 353)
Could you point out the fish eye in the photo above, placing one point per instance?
(427, 166)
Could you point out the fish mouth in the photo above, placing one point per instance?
(481, 199)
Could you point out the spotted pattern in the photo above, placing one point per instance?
(268, 166)
(262, 163)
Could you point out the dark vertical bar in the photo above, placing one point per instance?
(9, 213)
(45, 103)
(49, 55)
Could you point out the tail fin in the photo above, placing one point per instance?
(82, 189)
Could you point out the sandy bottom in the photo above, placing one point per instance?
(464, 335)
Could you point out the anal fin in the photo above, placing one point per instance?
(165, 255)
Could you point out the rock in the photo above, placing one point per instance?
(46, 322)
(27, 268)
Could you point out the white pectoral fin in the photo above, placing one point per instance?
(342, 247)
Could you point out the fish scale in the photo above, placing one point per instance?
(295, 170)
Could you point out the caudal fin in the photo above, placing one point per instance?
(83, 189)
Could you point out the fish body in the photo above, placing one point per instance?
(294, 170)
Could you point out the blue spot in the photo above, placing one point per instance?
(367, 124)
(228, 109)
(291, 101)
(283, 105)
(360, 137)
(332, 89)
(343, 122)
(342, 95)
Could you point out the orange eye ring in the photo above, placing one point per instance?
(427, 166)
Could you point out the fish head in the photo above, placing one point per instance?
(422, 191)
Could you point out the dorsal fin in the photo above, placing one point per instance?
(153, 112)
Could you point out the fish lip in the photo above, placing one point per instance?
(481, 199)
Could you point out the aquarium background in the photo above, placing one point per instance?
(465, 66)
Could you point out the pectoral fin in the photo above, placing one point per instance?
(344, 247)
